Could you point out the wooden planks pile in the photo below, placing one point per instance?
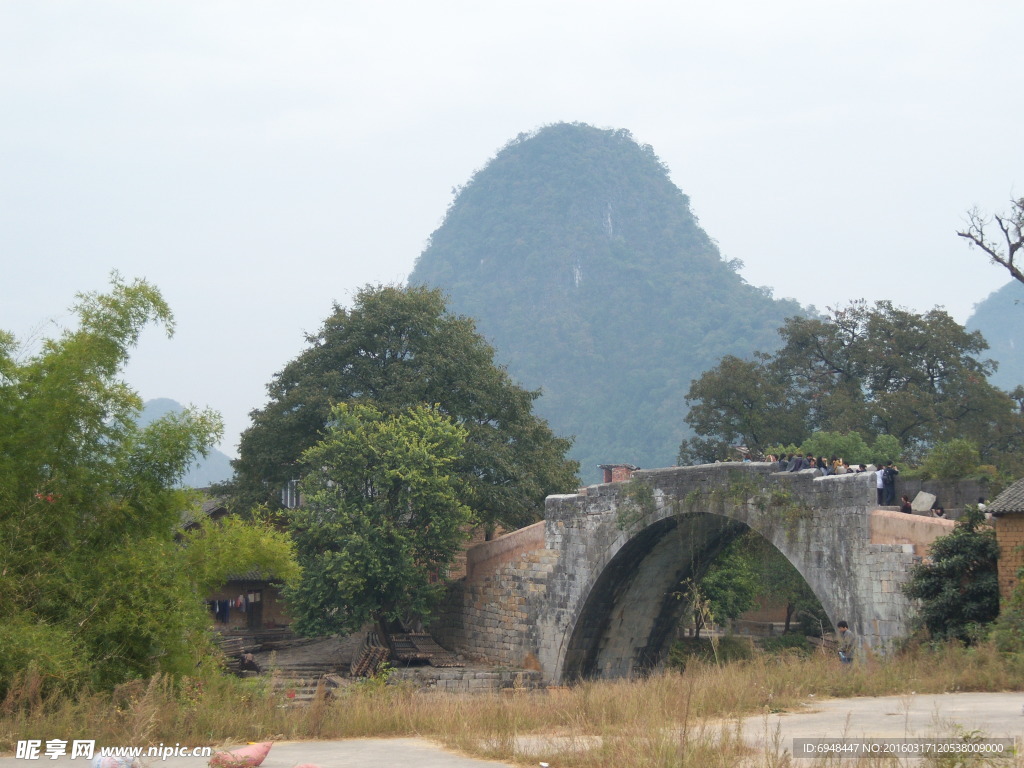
(401, 647)
(372, 655)
(232, 648)
(434, 654)
(419, 646)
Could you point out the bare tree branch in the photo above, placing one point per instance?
(1012, 227)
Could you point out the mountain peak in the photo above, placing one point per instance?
(584, 266)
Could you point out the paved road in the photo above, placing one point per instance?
(928, 716)
(348, 753)
(925, 716)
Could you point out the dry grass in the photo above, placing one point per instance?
(663, 720)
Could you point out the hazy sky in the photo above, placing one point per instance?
(257, 161)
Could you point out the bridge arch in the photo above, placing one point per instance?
(623, 553)
(633, 605)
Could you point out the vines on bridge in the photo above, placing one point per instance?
(638, 502)
(777, 501)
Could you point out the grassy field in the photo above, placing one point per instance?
(671, 719)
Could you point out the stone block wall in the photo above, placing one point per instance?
(487, 615)
(950, 494)
(885, 612)
(510, 548)
(466, 680)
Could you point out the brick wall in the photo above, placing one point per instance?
(616, 473)
(1010, 534)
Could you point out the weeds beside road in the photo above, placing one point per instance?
(670, 719)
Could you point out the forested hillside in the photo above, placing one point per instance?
(1000, 318)
(584, 266)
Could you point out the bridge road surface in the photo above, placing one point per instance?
(996, 715)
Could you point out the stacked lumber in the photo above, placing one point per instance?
(372, 655)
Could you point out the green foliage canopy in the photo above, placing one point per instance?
(849, 446)
(93, 586)
(729, 586)
(215, 550)
(381, 520)
(750, 568)
(871, 369)
(394, 349)
(952, 460)
(959, 588)
(740, 402)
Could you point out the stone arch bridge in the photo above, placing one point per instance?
(592, 590)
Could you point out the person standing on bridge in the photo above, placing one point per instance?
(889, 473)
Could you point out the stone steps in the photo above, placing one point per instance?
(297, 681)
(296, 690)
(301, 669)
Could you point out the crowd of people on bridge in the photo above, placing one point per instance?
(885, 475)
(796, 462)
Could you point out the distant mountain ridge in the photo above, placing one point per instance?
(1000, 318)
(583, 265)
(215, 468)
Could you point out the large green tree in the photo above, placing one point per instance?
(751, 568)
(396, 348)
(740, 402)
(872, 369)
(381, 520)
(959, 587)
(727, 589)
(94, 585)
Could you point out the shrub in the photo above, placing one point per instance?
(959, 589)
(33, 649)
(786, 643)
(886, 448)
(721, 650)
(849, 446)
(951, 460)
